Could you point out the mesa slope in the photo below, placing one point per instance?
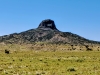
(47, 32)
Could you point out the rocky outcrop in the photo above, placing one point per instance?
(48, 23)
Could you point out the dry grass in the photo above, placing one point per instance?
(23, 60)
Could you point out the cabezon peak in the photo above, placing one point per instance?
(47, 23)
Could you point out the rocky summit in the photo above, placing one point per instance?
(46, 32)
(48, 23)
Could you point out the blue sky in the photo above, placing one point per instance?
(81, 17)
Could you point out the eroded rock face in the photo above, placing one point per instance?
(48, 23)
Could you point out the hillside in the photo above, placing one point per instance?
(46, 32)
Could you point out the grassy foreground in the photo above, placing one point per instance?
(50, 63)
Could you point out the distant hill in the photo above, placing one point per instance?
(46, 32)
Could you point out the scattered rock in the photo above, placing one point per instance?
(6, 51)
